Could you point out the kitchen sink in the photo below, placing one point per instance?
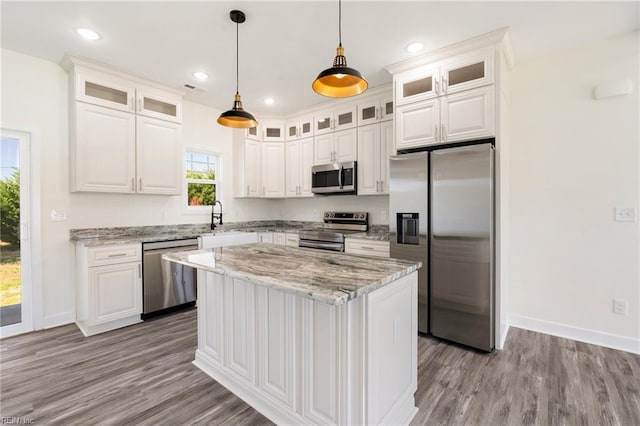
(225, 239)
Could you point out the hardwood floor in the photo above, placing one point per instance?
(143, 375)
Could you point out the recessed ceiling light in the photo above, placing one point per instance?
(414, 47)
(269, 101)
(88, 34)
(201, 76)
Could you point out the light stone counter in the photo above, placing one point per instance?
(323, 276)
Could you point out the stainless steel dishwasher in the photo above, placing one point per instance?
(166, 286)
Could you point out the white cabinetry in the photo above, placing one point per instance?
(273, 169)
(461, 116)
(240, 321)
(299, 128)
(335, 120)
(108, 287)
(272, 131)
(366, 247)
(285, 238)
(248, 158)
(254, 133)
(333, 147)
(115, 119)
(279, 238)
(375, 146)
(265, 237)
(375, 110)
(299, 160)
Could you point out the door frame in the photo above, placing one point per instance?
(32, 312)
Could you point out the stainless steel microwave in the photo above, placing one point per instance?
(336, 178)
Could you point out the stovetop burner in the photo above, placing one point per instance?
(336, 226)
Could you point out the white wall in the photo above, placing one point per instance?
(573, 159)
(311, 209)
(34, 100)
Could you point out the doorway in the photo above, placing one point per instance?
(15, 265)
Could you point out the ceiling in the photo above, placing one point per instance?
(284, 45)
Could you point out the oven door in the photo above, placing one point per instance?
(323, 245)
(334, 178)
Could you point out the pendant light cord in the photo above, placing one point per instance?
(237, 57)
(340, 22)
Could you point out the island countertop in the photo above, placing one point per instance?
(329, 277)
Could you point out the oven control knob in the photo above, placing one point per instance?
(326, 215)
(332, 215)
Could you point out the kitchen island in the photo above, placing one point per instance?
(306, 336)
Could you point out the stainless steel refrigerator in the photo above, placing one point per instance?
(442, 213)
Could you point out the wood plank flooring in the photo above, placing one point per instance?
(142, 375)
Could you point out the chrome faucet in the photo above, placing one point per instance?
(216, 218)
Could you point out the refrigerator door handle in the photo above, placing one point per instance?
(340, 177)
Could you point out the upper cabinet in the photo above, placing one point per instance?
(299, 128)
(273, 131)
(335, 120)
(451, 75)
(125, 133)
(375, 110)
(254, 133)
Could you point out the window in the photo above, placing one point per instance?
(201, 170)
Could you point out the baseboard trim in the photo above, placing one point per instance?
(59, 319)
(599, 338)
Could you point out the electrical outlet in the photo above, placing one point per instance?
(625, 214)
(620, 306)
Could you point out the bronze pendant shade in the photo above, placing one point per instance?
(340, 81)
(237, 117)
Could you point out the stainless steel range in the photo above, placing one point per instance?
(337, 226)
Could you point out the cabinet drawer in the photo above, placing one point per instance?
(107, 255)
(292, 240)
(367, 247)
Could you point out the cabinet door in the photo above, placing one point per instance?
(104, 150)
(115, 292)
(157, 104)
(345, 118)
(386, 108)
(305, 127)
(387, 149)
(368, 159)
(265, 237)
(320, 368)
(305, 162)
(467, 71)
(468, 115)
(292, 240)
(252, 163)
(273, 173)
(279, 238)
(273, 132)
(292, 130)
(292, 175)
(415, 85)
(277, 344)
(211, 320)
(254, 133)
(346, 147)
(417, 124)
(369, 112)
(105, 90)
(322, 123)
(159, 156)
(323, 149)
(240, 326)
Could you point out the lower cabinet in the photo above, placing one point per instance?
(285, 239)
(265, 237)
(300, 361)
(108, 287)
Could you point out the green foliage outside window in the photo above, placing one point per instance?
(201, 194)
(10, 208)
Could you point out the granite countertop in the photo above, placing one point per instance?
(323, 276)
(145, 234)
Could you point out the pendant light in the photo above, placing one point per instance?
(340, 81)
(237, 117)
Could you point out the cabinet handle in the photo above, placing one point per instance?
(437, 87)
(381, 186)
(377, 186)
(133, 184)
(444, 133)
(140, 104)
(445, 85)
(117, 255)
(140, 184)
(436, 132)
(366, 248)
(377, 118)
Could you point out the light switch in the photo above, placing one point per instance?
(625, 214)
